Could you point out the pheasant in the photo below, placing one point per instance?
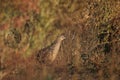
(48, 55)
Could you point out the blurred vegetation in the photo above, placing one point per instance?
(90, 50)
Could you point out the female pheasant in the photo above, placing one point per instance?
(48, 55)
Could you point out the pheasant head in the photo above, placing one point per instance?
(61, 38)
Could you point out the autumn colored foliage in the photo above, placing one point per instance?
(89, 52)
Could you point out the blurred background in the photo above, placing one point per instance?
(89, 52)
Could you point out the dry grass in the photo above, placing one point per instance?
(89, 52)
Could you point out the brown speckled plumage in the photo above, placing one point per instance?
(47, 55)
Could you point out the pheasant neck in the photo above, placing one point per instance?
(56, 49)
